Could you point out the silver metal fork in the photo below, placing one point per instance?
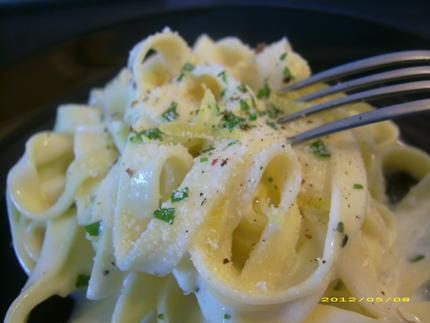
(360, 66)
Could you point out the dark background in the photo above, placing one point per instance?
(30, 25)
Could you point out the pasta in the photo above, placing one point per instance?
(173, 196)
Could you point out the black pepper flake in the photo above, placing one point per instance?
(197, 290)
(130, 172)
(224, 162)
(113, 263)
(201, 194)
(382, 292)
(344, 240)
(203, 202)
(105, 272)
(225, 261)
(323, 261)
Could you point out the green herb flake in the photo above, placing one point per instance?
(203, 159)
(338, 285)
(188, 67)
(227, 316)
(82, 281)
(286, 73)
(153, 133)
(231, 143)
(222, 94)
(272, 125)
(160, 316)
(165, 214)
(416, 258)
(136, 138)
(357, 186)
(179, 195)
(283, 56)
(242, 88)
(223, 76)
(254, 105)
(318, 148)
(230, 120)
(264, 92)
(273, 112)
(270, 179)
(261, 113)
(340, 227)
(244, 106)
(171, 114)
(252, 116)
(93, 229)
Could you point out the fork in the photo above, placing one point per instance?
(364, 65)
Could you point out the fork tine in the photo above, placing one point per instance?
(405, 88)
(362, 66)
(391, 112)
(395, 75)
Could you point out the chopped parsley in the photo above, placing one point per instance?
(273, 111)
(221, 95)
(252, 116)
(416, 258)
(357, 186)
(254, 105)
(244, 106)
(82, 280)
(223, 76)
(165, 214)
(203, 159)
(283, 56)
(227, 316)
(93, 229)
(188, 67)
(160, 316)
(318, 148)
(271, 124)
(261, 113)
(264, 92)
(242, 88)
(171, 114)
(135, 138)
(286, 73)
(153, 133)
(230, 120)
(231, 143)
(340, 227)
(179, 195)
(339, 285)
